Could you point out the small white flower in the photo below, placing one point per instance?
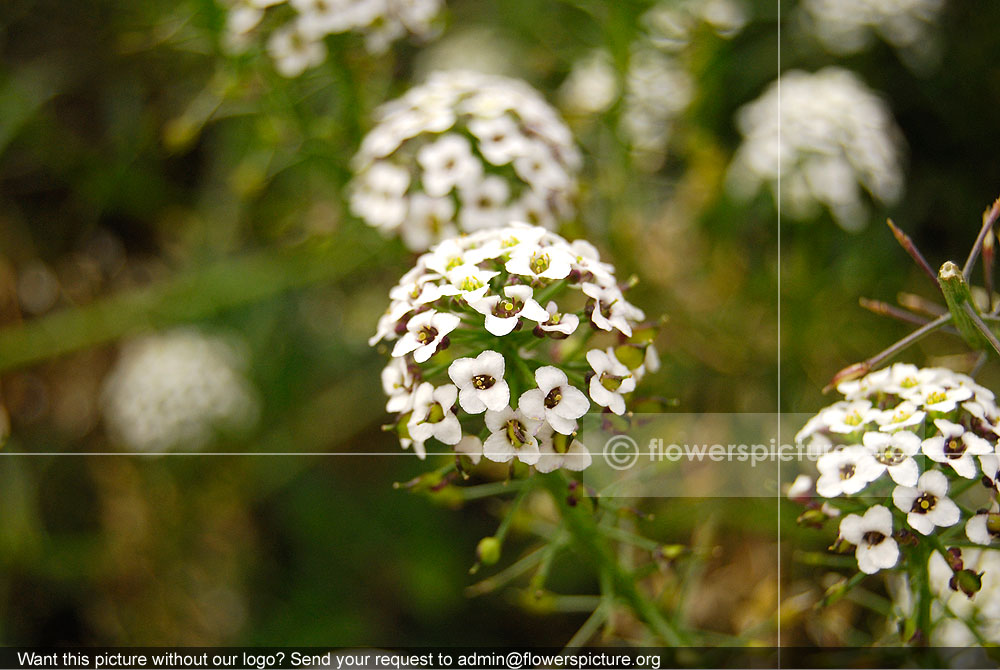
(421, 291)
(504, 313)
(484, 203)
(387, 322)
(978, 527)
(801, 488)
(564, 324)
(589, 261)
(849, 417)
(904, 415)
(452, 253)
(398, 384)
(538, 166)
(845, 471)
(428, 219)
(424, 333)
(894, 453)
(555, 400)
(927, 505)
(513, 435)
(480, 382)
(470, 282)
(956, 447)
(293, 52)
(990, 465)
(560, 451)
(611, 310)
(936, 398)
(500, 139)
(432, 415)
(872, 534)
(541, 263)
(319, 18)
(448, 163)
(381, 198)
(611, 380)
(472, 447)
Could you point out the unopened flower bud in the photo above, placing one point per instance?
(966, 581)
(954, 559)
(488, 550)
(812, 518)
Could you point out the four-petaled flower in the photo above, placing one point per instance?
(432, 415)
(611, 310)
(504, 313)
(872, 534)
(563, 325)
(844, 471)
(480, 382)
(560, 451)
(513, 435)
(425, 332)
(555, 400)
(893, 452)
(610, 381)
(956, 447)
(926, 505)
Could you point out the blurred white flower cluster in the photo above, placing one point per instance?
(498, 323)
(176, 390)
(847, 26)
(905, 436)
(982, 612)
(958, 621)
(825, 136)
(658, 85)
(463, 152)
(296, 44)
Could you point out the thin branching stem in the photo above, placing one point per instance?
(989, 218)
(910, 248)
(981, 325)
(866, 366)
(885, 309)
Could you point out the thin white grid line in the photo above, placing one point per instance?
(778, 198)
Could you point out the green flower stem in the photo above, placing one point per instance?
(616, 533)
(588, 629)
(509, 517)
(920, 577)
(957, 295)
(555, 543)
(505, 576)
(491, 489)
(583, 530)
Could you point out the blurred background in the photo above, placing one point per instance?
(179, 272)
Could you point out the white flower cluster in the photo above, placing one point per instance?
(658, 84)
(477, 326)
(915, 431)
(846, 26)
(672, 25)
(826, 135)
(297, 44)
(175, 390)
(465, 151)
